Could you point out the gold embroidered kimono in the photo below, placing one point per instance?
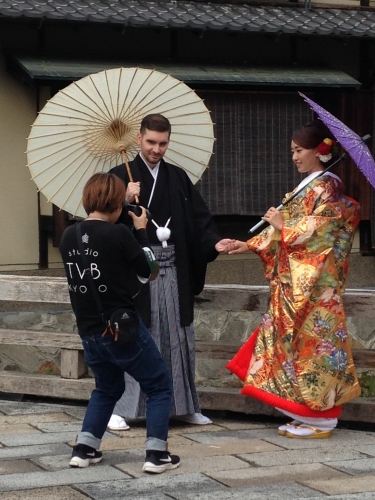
(299, 359)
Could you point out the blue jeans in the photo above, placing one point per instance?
(144, 363)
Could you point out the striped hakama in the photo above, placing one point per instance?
(176, 344)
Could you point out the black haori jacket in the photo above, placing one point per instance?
(193, 231)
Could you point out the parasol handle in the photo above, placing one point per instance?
(261, 222)
(366, 138)
(125, 158)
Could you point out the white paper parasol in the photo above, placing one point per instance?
(91, 126)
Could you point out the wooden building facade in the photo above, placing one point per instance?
(247, 61)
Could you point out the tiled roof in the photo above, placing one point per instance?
(201, 16)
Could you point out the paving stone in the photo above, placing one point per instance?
(343, 438)
(17, 466)
(33, 451)
(350, 496)
(139, 430)
(239, 426)
(187, 448)
(353, 467)
(71, 426)
(191, 449)
(51, 493)
(58, 462)
(279, 474)
(233, 459)
(40, 438)
(129, 433)
(160, 496)
(53, 462)
(110, 443)
(77, 412)
(8, 430)
(33, 419)
(19, 408)
(276, 491)
(235, 435)
(291, 457)
(192, 465)
(225, 448)
(182, 428)
(91, 474)
(344, 485)
(366, 449)
(150, 486)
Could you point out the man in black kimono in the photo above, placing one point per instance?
(184, 239)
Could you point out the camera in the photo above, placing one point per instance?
(137, 210)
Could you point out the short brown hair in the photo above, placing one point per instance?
(103, 192)
(155, 122)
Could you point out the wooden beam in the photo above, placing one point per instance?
(51, 386)
(41, 339)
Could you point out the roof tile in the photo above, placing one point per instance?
(194, 15)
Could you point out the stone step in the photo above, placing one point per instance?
(211, 398)
(226, 398)
(42, 289)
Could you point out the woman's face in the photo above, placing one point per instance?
(306, 160)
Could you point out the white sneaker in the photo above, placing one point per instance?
(117, 423)
(194, 418)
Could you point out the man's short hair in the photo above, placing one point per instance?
(104, 192)
(155, 122)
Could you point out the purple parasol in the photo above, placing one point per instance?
(352, 143)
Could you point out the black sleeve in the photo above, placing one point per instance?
(206, 233)
(131, 244)
(140, 265)
(142, 237)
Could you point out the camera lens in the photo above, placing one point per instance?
(136, 209)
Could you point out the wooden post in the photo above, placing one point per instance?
(72, 364)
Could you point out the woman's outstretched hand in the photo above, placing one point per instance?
(237, 246)
(221, 246)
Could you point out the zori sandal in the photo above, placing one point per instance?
(308, 432)
(283, 429)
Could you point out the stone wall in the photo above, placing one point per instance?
(223, 313)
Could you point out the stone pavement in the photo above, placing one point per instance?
(239, 457)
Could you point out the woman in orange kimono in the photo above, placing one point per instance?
(299, 359)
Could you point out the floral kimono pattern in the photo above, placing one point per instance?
(299, 359)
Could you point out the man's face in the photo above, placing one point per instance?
(153, 146)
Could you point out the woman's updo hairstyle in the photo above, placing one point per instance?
(311, 135)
